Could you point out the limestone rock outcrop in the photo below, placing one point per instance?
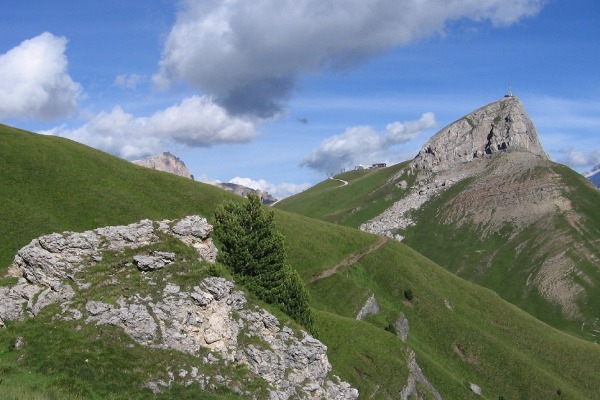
(166, 162)
(417, 383)
(370, 307)
(51, 259)
(451, 155)
(497, 127)
(209, 320)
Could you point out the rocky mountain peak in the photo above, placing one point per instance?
(166, 162)
(500, 126)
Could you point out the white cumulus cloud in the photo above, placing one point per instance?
(34, 82)
(363, 145)
(250, 53)
(578, 158)
(277, 190)
(195, 122)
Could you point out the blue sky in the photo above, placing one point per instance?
(276, 94)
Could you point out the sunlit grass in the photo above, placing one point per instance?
(51, 184)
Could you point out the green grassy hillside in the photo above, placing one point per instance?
(53, 184)
(368, 193)
(460, 332)
(507, 260)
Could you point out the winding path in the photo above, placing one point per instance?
(351, 259)
(344, 183)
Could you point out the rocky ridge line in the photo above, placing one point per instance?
(212, 315)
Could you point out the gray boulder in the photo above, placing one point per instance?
(195, 231)
(157, 260)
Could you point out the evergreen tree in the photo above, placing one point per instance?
(255, 253)
(296, 299)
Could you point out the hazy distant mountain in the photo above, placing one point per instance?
(166, 162)
(594, 175)
(243, 191)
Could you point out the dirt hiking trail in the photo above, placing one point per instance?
(351, 259)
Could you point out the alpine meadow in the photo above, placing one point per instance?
(300, 200)
(88, 314)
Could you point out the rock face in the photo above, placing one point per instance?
(416, 379)
(166, 162)
(500, 126)
(211, 316)
(370, 307)
(50, 259)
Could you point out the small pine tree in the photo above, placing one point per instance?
(296, 299)
(255, 253)
(391, 328)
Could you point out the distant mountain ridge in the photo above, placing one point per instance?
(168, 162)
(594, 175)
(497, 189)
(243, 191)
(466, 149)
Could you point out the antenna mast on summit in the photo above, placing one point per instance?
(510, 90)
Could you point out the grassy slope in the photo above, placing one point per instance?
(51, 184)
(65, 186)
(499, 342)
(461, 250)
(367, 195)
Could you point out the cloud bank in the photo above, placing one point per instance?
(363, 145)
(578, 158)
(195, 122)
(249, 54)
(34, 82)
